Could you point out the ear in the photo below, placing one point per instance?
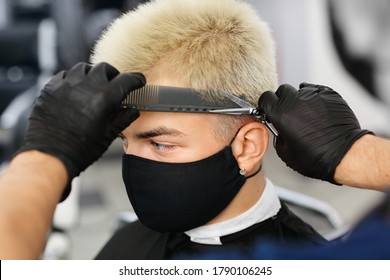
(250, 145)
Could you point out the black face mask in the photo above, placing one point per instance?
(169, 197)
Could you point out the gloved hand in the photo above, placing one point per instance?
(77, 115)
(316, 128)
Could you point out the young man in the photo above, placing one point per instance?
(195, 180)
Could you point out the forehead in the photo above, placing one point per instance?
(186, 124)
(195, 125)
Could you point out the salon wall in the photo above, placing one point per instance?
(306, 52)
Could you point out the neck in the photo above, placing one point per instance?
(248, 195)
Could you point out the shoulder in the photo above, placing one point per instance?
(132, 241)
(296, 230)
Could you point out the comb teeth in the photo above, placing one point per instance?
(147, 95)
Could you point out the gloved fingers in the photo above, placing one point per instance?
(54, 81)
(77, 73)
(121, 120)
(58, 77)
(285, 90)
(304, 84)
(102, 73)
(122, 84)
(266, 100)
(309, 91)
(317, 87)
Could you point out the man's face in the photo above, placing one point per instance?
(172, 137)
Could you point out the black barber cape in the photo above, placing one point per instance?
(135, 241)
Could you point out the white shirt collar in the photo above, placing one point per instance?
(266, 207)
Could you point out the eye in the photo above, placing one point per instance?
(161, 147)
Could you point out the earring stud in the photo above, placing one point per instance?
(242, 172)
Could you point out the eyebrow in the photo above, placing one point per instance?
(159, 131)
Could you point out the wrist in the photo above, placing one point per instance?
(41, 164)
(31, 187)
(364, 165)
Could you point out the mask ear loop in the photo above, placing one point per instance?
(235, 135)
(254, 174)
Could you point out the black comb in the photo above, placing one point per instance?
(175, 99)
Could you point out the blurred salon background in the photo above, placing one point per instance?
(343, 44)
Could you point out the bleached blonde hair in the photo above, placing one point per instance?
(207, 44)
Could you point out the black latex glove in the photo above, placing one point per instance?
(316, 128)
(77, 115)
